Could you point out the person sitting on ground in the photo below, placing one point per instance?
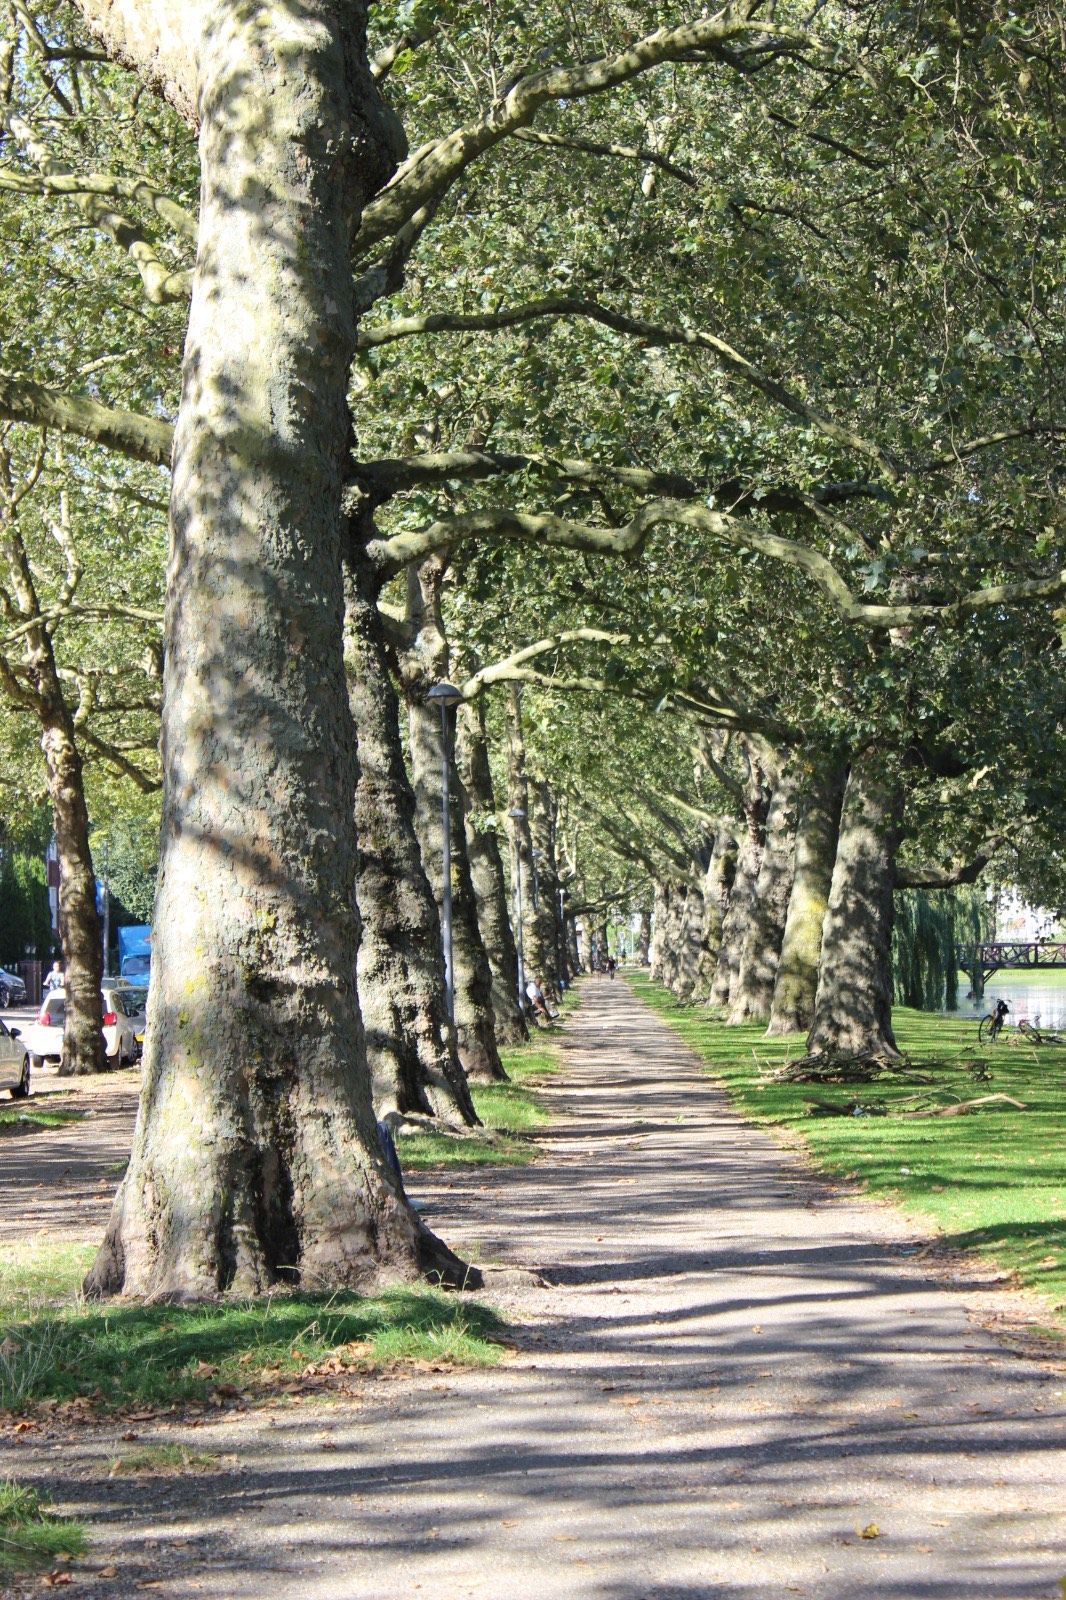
(535, 995)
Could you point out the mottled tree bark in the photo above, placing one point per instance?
(543, 836)
(660, 916)
(487, 871)
(409, 1040)
(689, 935)
(537, 937)
(79, 923)
(573, 953)
(424, 664)
(671, 950)
(749, 859)
(717, 887)
(853, 1008)
(796, 984)
(752, 996)
(255, 1157)
(644, 939)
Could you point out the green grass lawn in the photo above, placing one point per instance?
(56, 1346)
(510, 1111)
(993, 1181)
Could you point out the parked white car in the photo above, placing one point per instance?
(123, 1026)
(15, 1062)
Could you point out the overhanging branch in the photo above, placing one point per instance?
(144, 438)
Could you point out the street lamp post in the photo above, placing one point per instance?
(446, 695)
(519, 816)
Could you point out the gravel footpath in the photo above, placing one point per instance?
(734, 1382)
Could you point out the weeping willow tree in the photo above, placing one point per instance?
(929, 925)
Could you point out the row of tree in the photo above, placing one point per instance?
(716, 407)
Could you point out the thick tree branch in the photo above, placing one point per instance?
(143, 438)
(432, 169)
(114, 757)
(382, 64)
(503, 671)
(934, 877)
(161, 284)
(102, 183)
(649, 333)
(630, 538)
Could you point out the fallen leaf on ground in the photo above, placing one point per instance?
(871, 1531)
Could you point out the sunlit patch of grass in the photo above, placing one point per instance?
(993, 1181)
(510, 1111)
(59, 1347)
(23, 1118)
(37, 1273)
(164, 1461)
(30, 1536)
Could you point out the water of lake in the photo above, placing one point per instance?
(1041, 1004)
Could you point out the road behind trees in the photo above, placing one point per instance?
(736, 1383)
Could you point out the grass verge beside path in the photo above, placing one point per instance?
(111, 1356)
(510, 1111)
(993, 1181)
(107, 1356)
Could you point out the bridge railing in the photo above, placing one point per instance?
(1013, 953)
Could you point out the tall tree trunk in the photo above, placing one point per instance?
(690, 931)
(79, 924)
(486, 867)
(796, 984)
(410, 1042)
(741, 900)
(660, 919)
(853, 1008)
(671, 952)
(644, 939)
(717, 887)
(547, 875)
(423, 665)
(538, 945)
(737, 916)
(752, 997)
(255, 1158)
(572, 951)
(40, 691)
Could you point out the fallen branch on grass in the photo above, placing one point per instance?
(879, 1108)
(960, 1106)
(828, 1066)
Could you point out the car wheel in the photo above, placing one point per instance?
(5, 996)
(21, 1091)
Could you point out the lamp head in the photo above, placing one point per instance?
(444, 694)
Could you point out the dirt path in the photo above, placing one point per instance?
(733, 1373)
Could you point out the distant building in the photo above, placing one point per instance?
(1018, 923)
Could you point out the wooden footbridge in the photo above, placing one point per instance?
(982, 960)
